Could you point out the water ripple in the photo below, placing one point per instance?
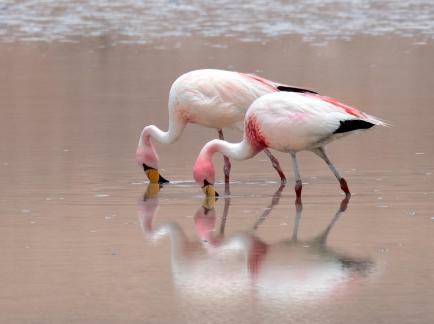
(144, 21)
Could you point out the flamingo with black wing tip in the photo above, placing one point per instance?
(211, 98)
(287, 122)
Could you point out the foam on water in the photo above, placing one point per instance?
(144, 21)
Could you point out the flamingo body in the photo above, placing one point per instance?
(288, 122)
(214, 98)
(211, 98)
(297, 122)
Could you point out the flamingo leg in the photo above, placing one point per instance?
(226, 167)
(322, 154)
(276, 166)
(298, 184)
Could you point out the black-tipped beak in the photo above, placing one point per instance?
(162, 180)
(145, 167)
(153, 175)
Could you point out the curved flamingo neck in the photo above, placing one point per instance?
(146, 153)
(156, 133)
(204, 168)
(237, 151)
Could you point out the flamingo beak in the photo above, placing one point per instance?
(208, 203)
(152, 190)
(153, 175)
(208, 190)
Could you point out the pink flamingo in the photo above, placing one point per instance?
(211, 98)
(287, 122)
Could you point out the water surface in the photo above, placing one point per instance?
(84, 240)
(139, 21)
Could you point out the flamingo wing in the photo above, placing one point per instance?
(351, 125)
(306, 120)
(288, 88)
(274, 86)
(349, 117)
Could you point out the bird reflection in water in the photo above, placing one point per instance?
(227, 265)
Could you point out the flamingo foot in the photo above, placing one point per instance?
(298, 187)
(344, 187)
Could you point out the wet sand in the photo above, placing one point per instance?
(81, 245)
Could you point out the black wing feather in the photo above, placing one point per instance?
(295, 89)
(351, 125)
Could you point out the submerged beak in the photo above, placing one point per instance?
(208, 190)
(208, 203)
(153, 175)
(151, 191)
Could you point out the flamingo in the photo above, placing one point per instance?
(287, 122)
(211, 98)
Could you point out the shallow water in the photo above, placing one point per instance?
(139, 21)
(85, 240)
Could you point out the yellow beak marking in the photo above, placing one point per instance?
(209, 190)
(152, 190)
(208, 202)
(153, 175)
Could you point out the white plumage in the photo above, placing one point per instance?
(211, 98)
(288, 122)
(296, 122)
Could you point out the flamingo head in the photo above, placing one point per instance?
(204, 175)
(147, 157)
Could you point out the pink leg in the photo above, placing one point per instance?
(276, 166)
(344, 186)
(298, 183)
(322, 154)
(226, 167)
